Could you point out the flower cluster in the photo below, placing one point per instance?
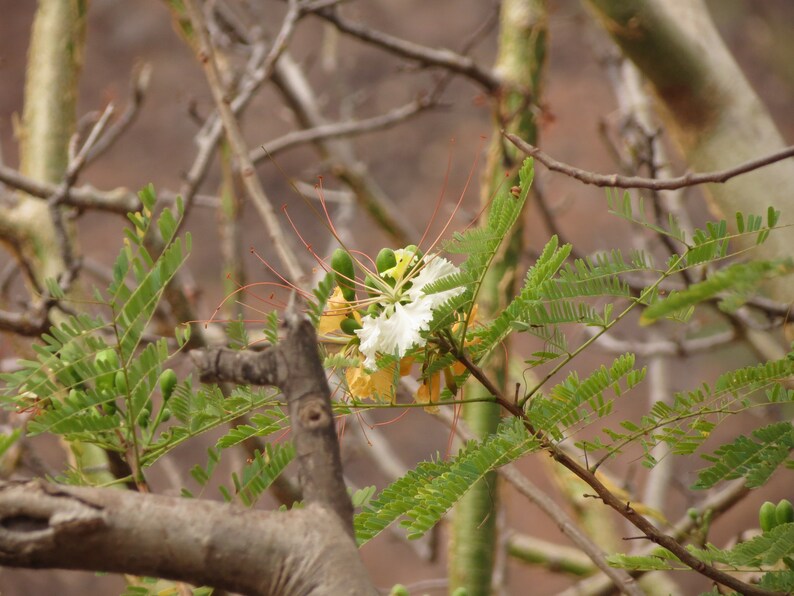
(405, 309)
(393, 320)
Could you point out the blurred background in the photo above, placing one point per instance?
(409, 163)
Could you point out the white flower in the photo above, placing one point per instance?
(406, 314)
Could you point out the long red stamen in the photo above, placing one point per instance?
(472, 169)
(288, 284)
(387, 422)
(453, 429)
(440, 195)
(361, 426)
(319, 189)
(477, 217)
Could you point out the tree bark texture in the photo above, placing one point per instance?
(710, 109)
(307, 551)
(303, 551)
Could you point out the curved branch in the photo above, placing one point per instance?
(303, 551)
(619, 181)
(120, 200)
(295, 367)
(442, 58)
(335, 130)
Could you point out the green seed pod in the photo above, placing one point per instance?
(385, 260)
(415, 249)
(121, 382)
(166, 415)
(349, 325)
(767, 516)
(342, 265)
(167, 383)
(143, 417)
(399, 590)
(106, 361)
(784, 512)
(373, 286)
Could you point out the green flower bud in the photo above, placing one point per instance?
(342, 265)
(167, 383)
(349, 325)
(107, 361)
(767, 516)
(385, 260)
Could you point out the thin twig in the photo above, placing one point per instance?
(87, 197)
(337, 130)
(55, 201)
(618, 181)
(443, 58)
(625, 509)
(551, 508)
(259, 69)
(139, 84)
(234, 134)
(294, 85)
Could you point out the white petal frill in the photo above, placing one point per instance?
(399, 327)
(395, 334)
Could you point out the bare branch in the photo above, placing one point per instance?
(55, 201)
(138, 86)
(442, 58)
(336, 130)
(295, 87)
(665, 347)
(30, 324)
(294, 366)
(120, 201)
(197, 541)
(234, 134)
(618, 181)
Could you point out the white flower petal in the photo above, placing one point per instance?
(369, 334)
(399, 327)
(395, 334)
(434, 269)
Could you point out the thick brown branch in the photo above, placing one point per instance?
(302, 551)
(293, 366)
(222, 365)
(619, 181)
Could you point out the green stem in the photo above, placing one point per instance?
(49, 118)
(520, 62)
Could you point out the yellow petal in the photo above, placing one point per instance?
(405, 365)
(428, 394)
(377, 386)
(334, 314)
